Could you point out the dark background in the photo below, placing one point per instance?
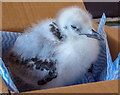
(111, 9)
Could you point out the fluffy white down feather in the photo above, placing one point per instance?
(31, 43)
(74, 55)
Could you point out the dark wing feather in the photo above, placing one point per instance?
(54, 29)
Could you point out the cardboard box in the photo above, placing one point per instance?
(16, 16)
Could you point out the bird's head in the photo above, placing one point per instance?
(74, 21)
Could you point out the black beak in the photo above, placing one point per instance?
(95, 35)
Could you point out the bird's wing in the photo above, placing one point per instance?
(38, 40)
(32, 72)
(32, 56)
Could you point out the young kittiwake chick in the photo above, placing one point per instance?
(55, 53)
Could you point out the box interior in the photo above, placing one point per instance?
(17, 16)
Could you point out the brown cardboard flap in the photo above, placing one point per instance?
(113, 40)
(16, 16)
(3, 88)
(98, 87)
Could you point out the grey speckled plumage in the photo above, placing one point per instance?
(23, 67)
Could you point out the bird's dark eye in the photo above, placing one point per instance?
(74, 27)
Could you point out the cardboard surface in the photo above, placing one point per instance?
(98, 87)
(3, 88)
(17, 16)
(113, 40)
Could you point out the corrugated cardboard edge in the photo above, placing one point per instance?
(97, 87)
